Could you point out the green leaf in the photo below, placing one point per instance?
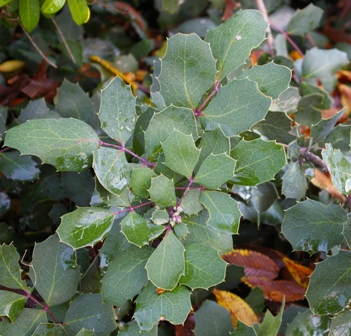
(311, 226)
(135, 228)
(224, 213)
(52, 6)
(73, 102)
(112, 169)
(54, 271)
(324, 127)
(79, 10)
(4, 2)
(294, 181)
(134, 330)
(272, 79)
(36, 109)
(309, 89)
(164, 123)
(213, 142)
(125, 276)
(220, 325)
(140, 181)
(339, 137)
(305, 20)
(11, 304)
(236, 107)
(85, 226)
(16, 167)
(243, 330)
(188, 70)
(328, 291)
(181, 230)
(67, 144)
(166, 264)
(215, 170)
(308, 324)
(232, 41)
(173, 306)
(29, 11)
(204, 268)
(257, 161)
(340, 323)
(308, 109)
(181, 153)
(88, 311)
(171, 6)
(26, 322)
(49, 329)
(84, 332)
(275, 126)
(270, 324)
(160, 217)
(191, 202)
(117, 110)
(162, 191)
(323, 64)
(339, 168)
(10, 272)
(200, 232)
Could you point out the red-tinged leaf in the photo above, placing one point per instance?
(299, 273)
(230, 5)
(254, 263)
(276, 290)
(237, 307)
(186, 329)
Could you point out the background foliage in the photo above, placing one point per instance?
(195, 185)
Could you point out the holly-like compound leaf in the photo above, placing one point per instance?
(166, 264)
(181, 153)
(29, 11)
(164, 123)
(306, 323)
(79, 10)
(173, 306)
(188, 70)
(87, 311)
(140, 181)
(73, 102)
(312, 226)
(236, 107)
(125, 276)
(16, 167)
(270, 324)
(215, 170)
(323, 64)
(272, 79)
(162, 191)
(191, 202)
(221, 325)
(67, 144)
(54, 271)
(232, 42)
(85, 226)
(117, 110)
(305, 20)
(324, 127)
(11, 304)
(257, 161)
(200, 232)
(50, 329)
(133, 329)
(204, 268)
(112, 169)
(339, 168)
(340, 323)
(224, 213)
(294, 181)
(329, 292)
(52, 6)
(10, 272)
(135, 228)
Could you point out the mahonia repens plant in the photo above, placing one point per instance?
(165, 176)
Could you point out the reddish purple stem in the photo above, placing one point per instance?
(198, 111)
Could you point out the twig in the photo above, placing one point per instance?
(63, 40)
(36, 46)
(270, 41)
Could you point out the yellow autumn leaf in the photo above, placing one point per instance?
(237, 307)
(11, 66)
(299, 273)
